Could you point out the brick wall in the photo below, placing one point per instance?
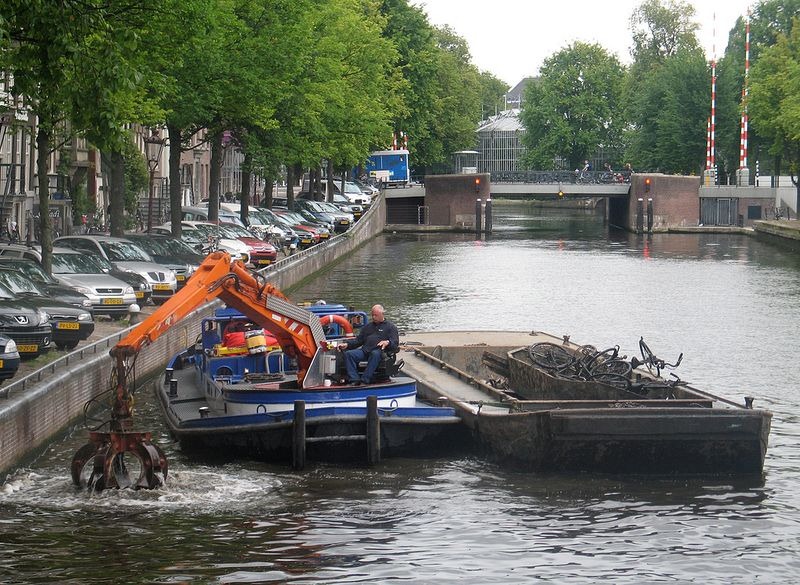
(675, 200)
(451, 198)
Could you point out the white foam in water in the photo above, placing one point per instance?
(202, 489)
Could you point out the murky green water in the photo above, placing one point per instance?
(730, 303)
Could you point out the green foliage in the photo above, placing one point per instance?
(659, 31)
(774, 102)
(573, 108)
(137, 178)
(672, 106)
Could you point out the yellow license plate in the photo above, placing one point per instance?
(180, 277)
(1, 363)
(67, 325)
(344, 222)
(265, 261)
(28, 348)
(139, 295)
(113, 301)
(162, 287)
(305, 241)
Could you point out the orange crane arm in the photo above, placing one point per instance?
(231, 282)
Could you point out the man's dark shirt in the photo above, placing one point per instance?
(372, 333)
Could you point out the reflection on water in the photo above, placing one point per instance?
(728, 302)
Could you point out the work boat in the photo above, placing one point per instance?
(263, 380)
(238, 391)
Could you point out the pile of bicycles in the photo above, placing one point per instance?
(588, 364)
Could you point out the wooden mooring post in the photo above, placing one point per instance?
(371, 436)
(373, 431)
(299, 435)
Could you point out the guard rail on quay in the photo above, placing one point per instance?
(50, 401)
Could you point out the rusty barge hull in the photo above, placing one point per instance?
(696, 433)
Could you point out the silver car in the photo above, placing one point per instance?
(109, 295)
(129, 257)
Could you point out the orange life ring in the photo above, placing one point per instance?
(339, 320)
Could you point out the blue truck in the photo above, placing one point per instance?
(389, 167)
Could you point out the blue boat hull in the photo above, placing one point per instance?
(207, 416)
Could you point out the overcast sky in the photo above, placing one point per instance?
(511, 38)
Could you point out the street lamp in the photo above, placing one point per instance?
(153, 144)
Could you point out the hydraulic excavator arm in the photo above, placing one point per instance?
(231, 282)
(297, 331)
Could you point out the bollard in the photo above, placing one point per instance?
(134, 314)
(650, 215)
(487, 220)
(640, 216)
(478, 217)
(168, 375)
(173, 388)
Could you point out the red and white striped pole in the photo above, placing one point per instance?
(745, 93)
(710, 174)
(713, 158)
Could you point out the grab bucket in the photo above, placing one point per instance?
(256, 341)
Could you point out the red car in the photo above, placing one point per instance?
(261, 253)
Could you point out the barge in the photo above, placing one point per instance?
(523, 416)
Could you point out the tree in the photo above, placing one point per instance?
(572, 109)
(659, 31)
(667, 89)
(492, 91)
(54, 52)
(774, 101)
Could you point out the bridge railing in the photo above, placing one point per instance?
(561, 177)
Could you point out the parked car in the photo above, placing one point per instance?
(176, 255)
(261, 253)
(140, 286)
(340, 202)
(9, 358)
(205, 237)
(326, 213)
(33, 271)
(86, 274)
(25, 323)
(263, 224)
(318, 233)
(71, 325)
(201, 214)
(353, 192)
(128, 257)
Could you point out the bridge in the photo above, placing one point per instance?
(555, 184)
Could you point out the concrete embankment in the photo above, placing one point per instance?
(786, 231)
(36, 408)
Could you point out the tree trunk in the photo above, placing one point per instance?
(45, 235)
(245, 207)
(215, 175)
(116, 198)
(329, 186)
(290, 187)
(175, 187)
(268, 192)
(316, 174)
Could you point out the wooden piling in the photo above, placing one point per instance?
(373, 431)
(299, 435)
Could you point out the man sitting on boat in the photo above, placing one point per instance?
(375, 337)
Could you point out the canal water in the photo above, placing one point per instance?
(729, 303)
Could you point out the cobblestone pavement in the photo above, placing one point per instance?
(103, 327)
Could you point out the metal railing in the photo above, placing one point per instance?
(561, 177)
